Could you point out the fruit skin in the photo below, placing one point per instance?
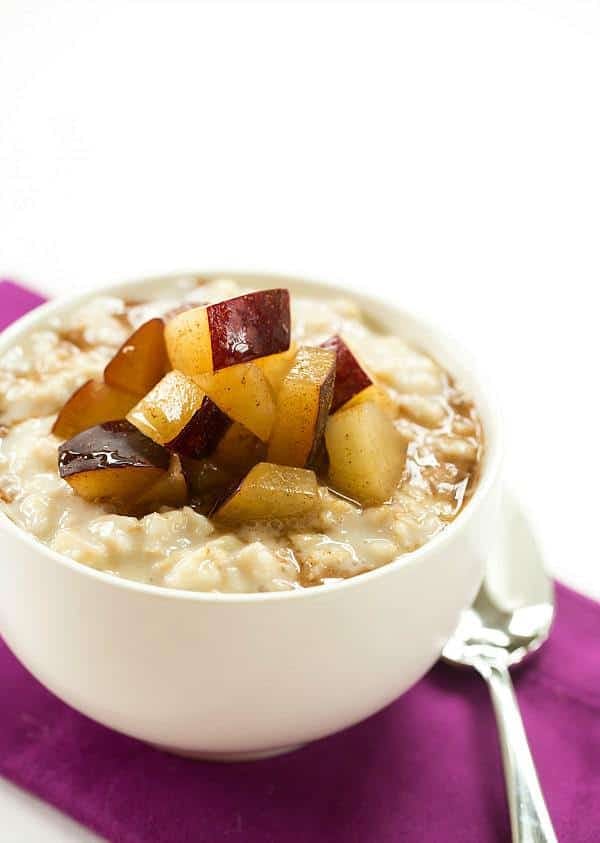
(269, 491)
(212, 337)
(366, 453)
(350, 377)
(141, 361)
(303, 404)
(93, 403)
(112, 462)
(249, 326)
(244, 394)
(202, 433)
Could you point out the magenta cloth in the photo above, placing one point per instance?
(427, 768)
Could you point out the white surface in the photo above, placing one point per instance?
(443, 154)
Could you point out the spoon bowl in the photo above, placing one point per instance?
(513, 612)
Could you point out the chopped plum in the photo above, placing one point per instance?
(212, 337)
(112, 462)
(350, 377)
(303, 403)
(167, 408)
(244, 394)
(270, 491)
(249, 326)
(180, 416)
(366, 453)
(202, 433)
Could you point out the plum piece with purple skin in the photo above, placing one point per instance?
(350, 377)
(112, 462)
(202, 433)
(249, 326)
(203, 340)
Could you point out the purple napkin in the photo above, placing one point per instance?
(427, 768)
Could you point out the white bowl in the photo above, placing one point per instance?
(246, 675)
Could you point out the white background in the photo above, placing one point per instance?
(445, 155)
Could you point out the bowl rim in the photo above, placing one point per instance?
(489, 472)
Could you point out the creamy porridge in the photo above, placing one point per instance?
(203, 535)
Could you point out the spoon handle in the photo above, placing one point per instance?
(529, 818)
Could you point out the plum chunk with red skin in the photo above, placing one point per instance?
(249, 326)
(112, 462)
(350, 377)
(202, 433)
(205, 339)
(303, 403)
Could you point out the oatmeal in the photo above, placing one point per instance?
(227, 494)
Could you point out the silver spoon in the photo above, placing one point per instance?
(510, 618)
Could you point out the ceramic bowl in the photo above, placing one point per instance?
(235, 676)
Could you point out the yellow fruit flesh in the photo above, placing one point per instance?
(244, 394)
(187, 337)
(303, 402)
(366, 453)
(271, 491)
(167, 408)
(276, 366)
(120, 486)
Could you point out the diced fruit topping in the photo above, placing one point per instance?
(303, 403)
(350, 377)
(270, 491)
(112, 462)
(250, 326)
(141, 361)
(366, 453)
(244, 394)
(93, 403)
(206, 339)
(238, 395)
(202, 433)
(178, 414)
